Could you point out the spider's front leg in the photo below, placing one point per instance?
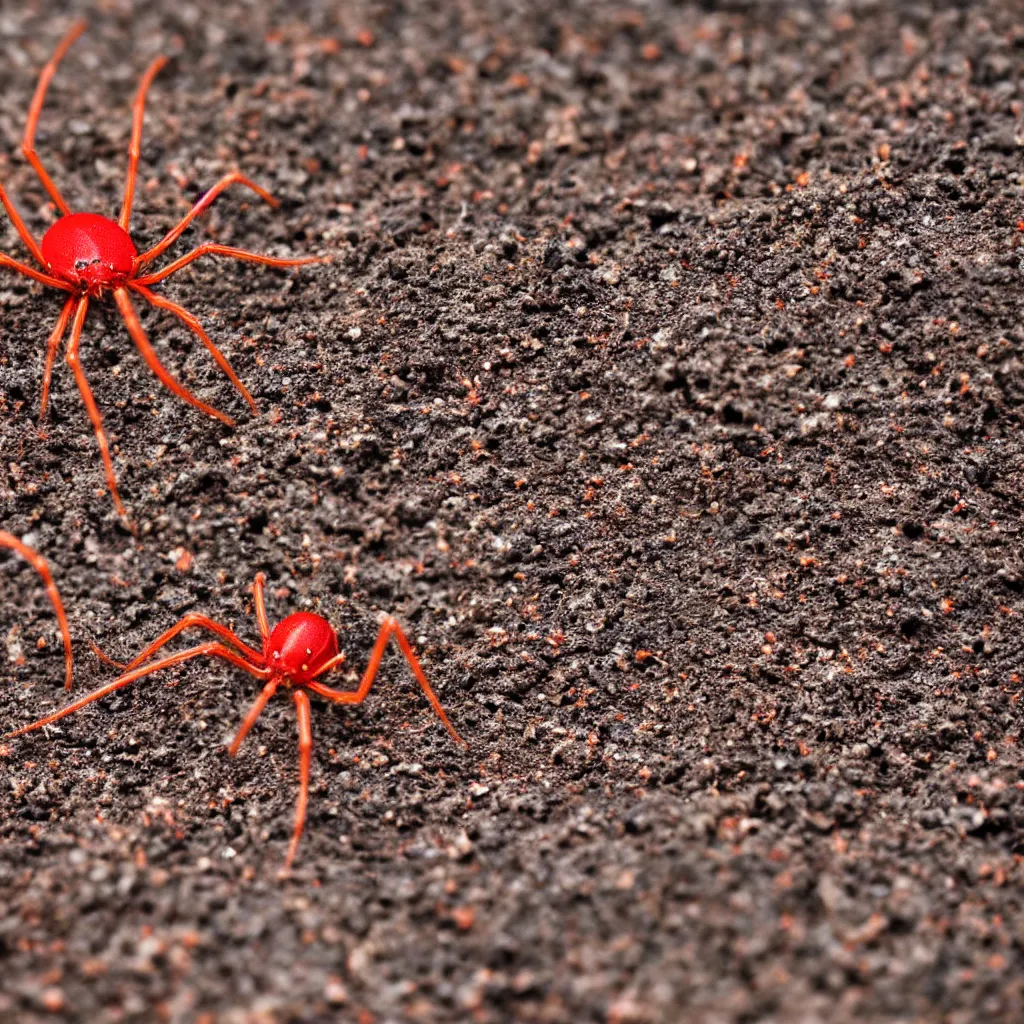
(389, 629)
(23, 268)
(194, 621)
(28, 142)
(234, 178)
(215, 249)
(212, 649)
(260, 608)
(135, 148)
(28, 149)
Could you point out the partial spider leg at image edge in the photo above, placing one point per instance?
(212, 649)
(38, 563)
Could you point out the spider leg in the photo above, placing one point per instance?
(305, 751)
(197, 328)
(135, 149)
(34, 110)
(51, 352)
(214, 249)
(193, 621)
(39, 564)
(131, 320)
(234, 178)
(106, 659)
(389, 629)
(36, 275)
(26, 236)
(91, 407)
(254, 712)
(261, 608)
(212, 649)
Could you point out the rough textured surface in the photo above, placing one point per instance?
(667, 384)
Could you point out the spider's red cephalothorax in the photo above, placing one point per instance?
(8, 540)
(298, 647)
(294, 655)
(89, 252)
(88, 256)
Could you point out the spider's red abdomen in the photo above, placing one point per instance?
(89, 251)
(301, 644)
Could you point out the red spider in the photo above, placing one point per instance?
(295, 653)
(34, 559)
(88, 255)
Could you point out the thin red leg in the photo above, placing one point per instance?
(36, 275)
(197, 328)
(389, 629)
(26, 236)
(51, 352)
(336, 662)
(214, 249)
(135, 149)
(34, 110)
(131, 319)
(255, 711)
(305, 752)
(106, 659)
(261, 609)
(39, 564)
(193, 621)
(75, 362)
(212, 649)
(234, 178)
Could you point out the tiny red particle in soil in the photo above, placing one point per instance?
(53, 1000)
(463, 918)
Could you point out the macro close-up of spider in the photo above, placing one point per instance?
(294, 655)
(88, 256)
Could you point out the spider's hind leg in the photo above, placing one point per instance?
(305, 756)
(56, 337)
(135, 329)
(193, 324)
(75, 362)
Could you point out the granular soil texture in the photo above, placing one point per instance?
(666, 383)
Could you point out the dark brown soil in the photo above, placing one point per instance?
(667, 384)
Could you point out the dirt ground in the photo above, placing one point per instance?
(667, 384)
